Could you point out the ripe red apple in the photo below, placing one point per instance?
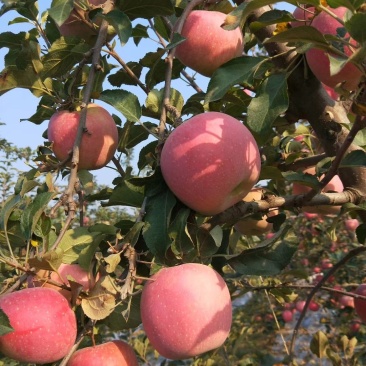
(250, 226)
(318, 60)
(186, 310)
(335, 185)
(360, 305)
(114, 353)
(208, 45)
(287, 316)
(299, 306)
(351, 224)
(303, 15)
(210, 162)
(326, 264)
(347, 301)
(313, 306)
(44, 326)
(99, 141)
(76, 25)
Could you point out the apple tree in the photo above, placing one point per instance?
(238, 214)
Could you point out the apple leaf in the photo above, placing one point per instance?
(356, 27)
(64, 53)
(158, 213)
(33, 212)
(112, 261)
(126, 194)
(319, 344)
(147, 155)
(209, 242)
(238, 70)
(271, 17)
(121, 76)
(132, 134)
(302, 178)
(354, 158)
(60, 10)
(349, 4)
(361, 233)
(9, 205)
(146, 8)
(268, 259)
(270, 102)
(5, 326)
(124, 101)
(121, 23)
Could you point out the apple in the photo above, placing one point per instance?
(318, 60)
(99, 140)
(186, 310)
(326, 264)
(208, 45)
(303, 16)
(78, 23)
(360, 305)
(251, 226)
(331, 92)
(299, 306)
(44, 326)
(287, 316)
(210, 162)
(313, 306)
(351, 224)
(335, 185)
(347, 301)
(113, 353)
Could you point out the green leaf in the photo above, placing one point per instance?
(64, 53)
(353, 159)
(79, 245)
(304, 33)
(121, 23)
(177, 39)
(10, 204)
(158, 213)
(43, 227)
(147, 155)
(181, 241)
(208, 242)
(132, 134)
(122, 77)
(238, 70)
(146, 8)
(60, 10)
(361, 233)
(139, 32)
(126, 194)
(271, 17)
(33, 212)
(302, 178)
(319, 344)
(124, 101)
(356, 27)
(270, 102)
(268, 259)
(5, 326)
(350, 4)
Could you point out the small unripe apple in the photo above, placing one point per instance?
(360, 305)
(318, 60)
(114, 353)
(186, 310)
(99, 140)
(208, 45)
(210, 162)
(44, 326)
(251, 226)
(351, 224)
(335, 185)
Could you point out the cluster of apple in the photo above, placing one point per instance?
(318, 60)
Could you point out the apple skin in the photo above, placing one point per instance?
(352, 224)
(360, 305)
(186, 310)
(44, 326)
(251, 226)
(114, 353)
(206, 56)
(99, 141)
(210, 162)
(287, 316)
(334, 185)
(303, 16)
(318, 60)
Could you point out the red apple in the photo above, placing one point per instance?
(44, 326)
(114, 353)
(208, 45)
(313, 306)
(335, 185)
(250, 226)
(351, 224)
(331, 92)
(360, 305)
(299, 306)
(326, 264)
(186, 310)
(303, 15)
(99, 140)
(318, 60)
(210, 162)
(347, 301)
(287, 316)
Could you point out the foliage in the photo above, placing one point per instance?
(126, 231)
